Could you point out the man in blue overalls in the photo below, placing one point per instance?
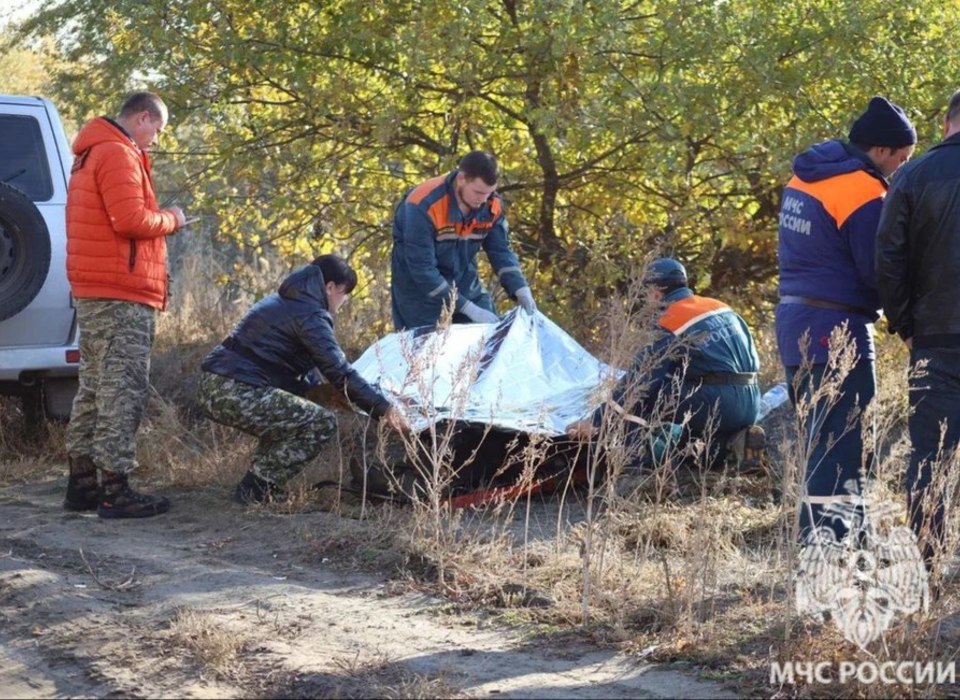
(702, 362)
(438, 229)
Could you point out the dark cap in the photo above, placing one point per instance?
(665, 272)
(883, 124)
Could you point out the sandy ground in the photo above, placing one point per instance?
(89, 608)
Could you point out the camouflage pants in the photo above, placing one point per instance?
(115, 342)
(292, 430)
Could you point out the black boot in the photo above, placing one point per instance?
(252, 489)
(748, 449)
(118, 500)
(82, 486)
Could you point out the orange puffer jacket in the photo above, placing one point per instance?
(116, 234)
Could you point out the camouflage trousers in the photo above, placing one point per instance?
(115, 342)
(291, 429)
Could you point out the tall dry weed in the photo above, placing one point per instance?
(912, 638)
(28, 452)
(687, 553)
(686, 558)
(600, 525)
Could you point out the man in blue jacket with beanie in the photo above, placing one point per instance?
(827, 241)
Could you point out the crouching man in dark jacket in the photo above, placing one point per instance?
(704, 349)
(256, 379)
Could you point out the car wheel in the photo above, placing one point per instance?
(24, 251)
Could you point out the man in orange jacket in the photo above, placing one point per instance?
(117, 267)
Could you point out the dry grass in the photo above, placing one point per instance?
(26, 454)
(687, 563)
(374, 676)
(207, 641)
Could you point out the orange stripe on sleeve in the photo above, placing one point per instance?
(841, 195)
(680, 313)
(420, 191)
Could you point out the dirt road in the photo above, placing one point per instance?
(97, 608)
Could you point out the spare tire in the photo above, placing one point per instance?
(24, 251)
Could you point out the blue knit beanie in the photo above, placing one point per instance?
(883, 124)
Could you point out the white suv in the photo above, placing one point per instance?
(39, 358)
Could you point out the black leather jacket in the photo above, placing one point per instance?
(285, 338)
(918, 249)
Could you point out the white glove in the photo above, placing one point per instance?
(525, 299)
(478, 314)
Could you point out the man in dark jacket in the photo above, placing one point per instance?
(827, 239)
(918, 276)
(704, 349)
(255, 380)
(438, 229)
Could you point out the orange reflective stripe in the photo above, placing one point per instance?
(842, 195)
(439, 211)
(420, 191)
(474, 225)
(496, 209)
(680, 313)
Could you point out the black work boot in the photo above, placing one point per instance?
(118, 500)
(748, 448)
(82, 488)
(252, 489)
